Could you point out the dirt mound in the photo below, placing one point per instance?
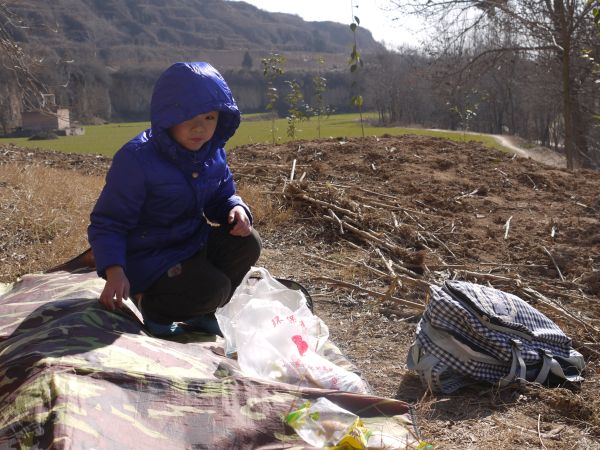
(362, 213)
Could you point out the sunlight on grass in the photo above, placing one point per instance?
(98, 139)
(107, 139)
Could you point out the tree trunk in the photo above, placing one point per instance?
(570, 149)
(574, 153)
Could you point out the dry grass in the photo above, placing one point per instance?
(269, 211)
(44, 214)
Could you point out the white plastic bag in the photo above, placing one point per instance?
(278, 338)
(262, 302)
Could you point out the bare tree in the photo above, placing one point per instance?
(17, 64)
(562, 28)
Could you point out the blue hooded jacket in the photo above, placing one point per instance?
(152, 211)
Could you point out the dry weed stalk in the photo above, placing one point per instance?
(44, 214)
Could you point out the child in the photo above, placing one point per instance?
(149, 230)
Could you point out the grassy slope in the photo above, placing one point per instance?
(106, 139)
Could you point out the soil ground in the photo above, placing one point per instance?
(360, 213)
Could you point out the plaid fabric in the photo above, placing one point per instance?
(485, 321)
(477, 370)
(464, 316)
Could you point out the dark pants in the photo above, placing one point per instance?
(206, 281)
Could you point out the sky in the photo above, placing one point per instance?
(372, 14)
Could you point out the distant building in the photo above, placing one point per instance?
(54, 120)
(49, 119)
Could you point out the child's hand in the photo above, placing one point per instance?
(239, 218)
(115, 289)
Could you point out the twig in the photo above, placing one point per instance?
(324, 204)
(507, 227)
(394, 283)
(508, 264)
(397, 313)
(406, 271)
(387, 263)
(375, 294)
(470, 194)
(369, 268)
(413, 219)
(364, 234)
(293, 170)
(396, 224)
(405, 278)
(392, 288)
(378, 194)
(554, 262)
(262, 165)
(435, 238)
(540, 431)
(332, 214)
(520, 428)
(424, 205)
(489, 275)
(327, 261)
(353, 245)
(546, 301)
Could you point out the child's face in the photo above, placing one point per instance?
(194, 133)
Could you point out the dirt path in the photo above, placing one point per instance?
(506, 142)
(539, 154)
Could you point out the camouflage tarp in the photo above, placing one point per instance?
(74, 375)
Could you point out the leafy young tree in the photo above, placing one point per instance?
(296, 107)
(355, 62)
(319, 108)
(561, 29)
(273, 68)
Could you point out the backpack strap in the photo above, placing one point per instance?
(425, 368)
(434, 374)
(549, 360)
(552, 366)
(518, 364)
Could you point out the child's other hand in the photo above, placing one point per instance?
(115, 289)
(241, 222)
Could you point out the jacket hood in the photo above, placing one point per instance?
(187, 89)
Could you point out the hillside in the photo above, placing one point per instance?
(436, 209)
(126, 33)
(101, 58)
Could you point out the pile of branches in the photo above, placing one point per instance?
(410, 249)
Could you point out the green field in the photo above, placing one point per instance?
(107, 139)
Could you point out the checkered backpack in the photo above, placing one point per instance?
(471, 333)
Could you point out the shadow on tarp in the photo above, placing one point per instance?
(54, 320)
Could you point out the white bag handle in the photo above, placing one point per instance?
(264, 275)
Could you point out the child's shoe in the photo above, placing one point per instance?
(206, 323)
